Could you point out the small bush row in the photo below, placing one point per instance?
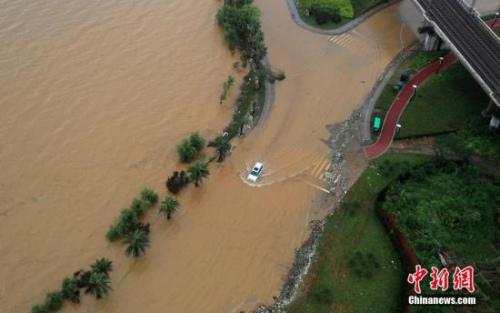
(94, 281)
(129, 227)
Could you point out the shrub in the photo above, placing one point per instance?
(70, 290)
(139, 206)
(189, 149)
(186, 152)
(323, 13)
(197, 142)
(38, 308)
(149, 195)
(127, 222)
(113, 234)
(54, 301)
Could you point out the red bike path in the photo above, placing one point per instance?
(397, 107)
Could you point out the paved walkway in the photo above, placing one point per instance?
(397, 107)
(399, 104)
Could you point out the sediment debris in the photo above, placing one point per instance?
(342, 134)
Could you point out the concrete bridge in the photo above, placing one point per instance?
(470, 38)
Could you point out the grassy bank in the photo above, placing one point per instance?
(347, 10)
(356, 268)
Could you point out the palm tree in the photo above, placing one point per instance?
(137, 242)
(102, 265)
(222, 145)
(198, 171)
(98, 285)
(169, 206)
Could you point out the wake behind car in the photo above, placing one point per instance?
(257, 169)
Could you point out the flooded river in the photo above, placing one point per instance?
(94, 96)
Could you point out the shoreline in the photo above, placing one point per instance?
(341, 29)
(343, 136)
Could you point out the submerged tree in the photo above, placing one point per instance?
(177, 181)
(197, 142)
(198, 172)
(222, 145)
(39, 308)
(98, 285)
(70, 290)
(149, 195)
(54, 301)
(169, 206)
(137, 242)
(190, 148)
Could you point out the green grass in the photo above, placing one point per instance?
(333, 280)
(358, 6)
(446, 102)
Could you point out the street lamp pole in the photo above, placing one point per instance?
(441, 61)
(414, 92)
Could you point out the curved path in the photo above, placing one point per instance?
(292, 6)
(399, 104)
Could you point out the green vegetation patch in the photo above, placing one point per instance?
(330, 14)
(354, 237)
(250, 101)
(446, 102)
(444, 207)
(129, 219)
(342, 7)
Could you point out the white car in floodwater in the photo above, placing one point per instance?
(255, 173)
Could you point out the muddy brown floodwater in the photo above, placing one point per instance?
(94, 96)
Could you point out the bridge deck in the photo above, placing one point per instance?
(470, 35)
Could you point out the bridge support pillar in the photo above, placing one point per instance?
(432, 42)
(493, 112)
(494, 123)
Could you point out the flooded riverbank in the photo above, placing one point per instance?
(95, 97)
